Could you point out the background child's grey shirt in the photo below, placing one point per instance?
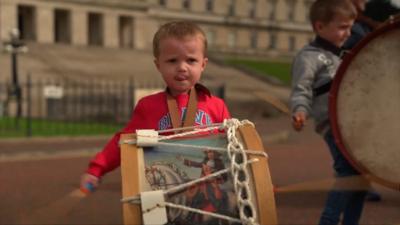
(312, 68)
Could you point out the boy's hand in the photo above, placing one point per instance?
(89, 183)
(299, 120)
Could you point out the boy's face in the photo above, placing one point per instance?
(336, 31)
(181, 62)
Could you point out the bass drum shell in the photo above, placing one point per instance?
(364, 105)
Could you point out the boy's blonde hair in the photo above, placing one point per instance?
(325, 10)
(180, 30)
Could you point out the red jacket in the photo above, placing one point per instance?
(151, 112)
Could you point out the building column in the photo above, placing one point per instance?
(282, 42)
(281, 10)
(261, 9)
(263, 37)
(300, 12)
(174, 4)
(8, 19)
(111, 33)
(79, 27)
(241, 8)
(144, 29)
(45, 24)
(198, 6)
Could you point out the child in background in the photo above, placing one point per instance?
(312, 71)
(179, 49)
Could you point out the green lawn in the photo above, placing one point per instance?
(53, 128)
(278, 70)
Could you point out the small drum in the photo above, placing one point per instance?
(365, 105)
(206, 177)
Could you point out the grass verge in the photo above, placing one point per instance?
(9, 127)
(277, 70)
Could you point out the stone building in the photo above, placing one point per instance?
(255, 27)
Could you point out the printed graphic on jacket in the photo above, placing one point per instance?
(202, 118)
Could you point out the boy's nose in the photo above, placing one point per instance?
(182, 66)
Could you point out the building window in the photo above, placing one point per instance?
(272, 41)
(125, 31)
(232, 39)
(62, 26)
(290, 9)
(252, 9)
(292, 43)
(27, 22)
(95, 29)
(231, 9)
(253, 39)
(307, 10)
(186, 4)
(210, 35)
(162, 2)
(210, 5)
(272, 9)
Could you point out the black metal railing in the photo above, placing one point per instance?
(60, 107)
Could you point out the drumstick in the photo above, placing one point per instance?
(57, 211)
(343, 183)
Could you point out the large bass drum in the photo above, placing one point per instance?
(365, 105)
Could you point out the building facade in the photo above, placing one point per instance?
(255, 27)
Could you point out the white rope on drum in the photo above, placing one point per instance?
(238, 169)
(240, 174)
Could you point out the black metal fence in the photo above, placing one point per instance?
(64, 107)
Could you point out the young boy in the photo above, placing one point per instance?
(180, 50)
(313, 69)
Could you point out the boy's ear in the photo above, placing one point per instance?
(318, 26)
(156, 63)
(205, 61)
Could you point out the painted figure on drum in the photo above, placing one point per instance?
(207, 196)
(167, 167)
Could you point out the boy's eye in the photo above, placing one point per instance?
(192, 60)
(171, 60)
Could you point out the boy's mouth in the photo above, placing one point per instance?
(181, 77)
